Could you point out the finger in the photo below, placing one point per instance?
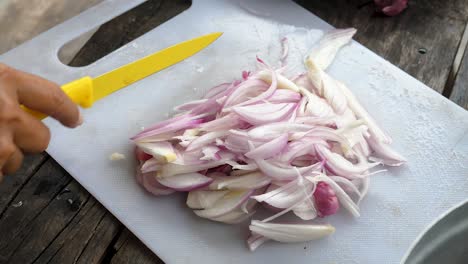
(30, 135)
(13, 163)
(41, 95)
(7, 150)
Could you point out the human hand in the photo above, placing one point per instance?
(19, 131)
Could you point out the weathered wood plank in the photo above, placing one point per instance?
(12, 184)
(132, 251)
(86, 238)
(435, 27)
(58, 222)
(460, 90)
(18, 223)
(127, 27)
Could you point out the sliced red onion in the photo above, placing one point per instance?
(255, 240)
(201, 199)
(218, 89)
(266, 94)
(284, 96)
(227, 204)
(150, 165)
(271, 131)
(283, 172)
(269, 149)
(264, 113)
(348, 186)
(386, 155)
(327, 87)
(342, 166)
(252, 180)
(291, 233)
(210, 153)
(183, 123)
(190, 105)
(234, 217)
(185, 182)
(282, 82)
(224, 123)
(324, 53)
(206, 139)
(141, 155)
(161, 151)
(377, 133)
(248, 88)
(266, 129)
(305, 210)
(171, 169)
(149, 182)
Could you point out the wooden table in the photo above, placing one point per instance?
(46, 216)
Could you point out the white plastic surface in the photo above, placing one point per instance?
(428, 129)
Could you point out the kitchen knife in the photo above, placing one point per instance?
(87, 90)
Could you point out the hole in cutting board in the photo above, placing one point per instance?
(119, 31)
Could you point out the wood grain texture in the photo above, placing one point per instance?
(58, 222)
(132, 251)
(12, 184)
(434, 26)
(460, 90)
(127, 27)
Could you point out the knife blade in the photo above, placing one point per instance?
(87, 90)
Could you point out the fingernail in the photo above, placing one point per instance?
(80, 120)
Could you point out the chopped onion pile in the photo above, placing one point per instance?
(302, 145)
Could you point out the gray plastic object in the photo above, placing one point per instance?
(444, 242)
(428, 129)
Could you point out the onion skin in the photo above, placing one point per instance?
(325, 199)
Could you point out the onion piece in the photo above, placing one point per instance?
(201, 199)
(149, 182)
(161, 151)
(150, 165)
(185, 182)
(205, 139)
(283, 173)
(324, 53)
(264, 113)
(252, 180)
(284, 96)
(171, 169)
(271, 131)
(344, 198)
(291, 233)
(269, 149)
(255, 240)
(227, 204)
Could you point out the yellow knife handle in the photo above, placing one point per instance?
(79, 91)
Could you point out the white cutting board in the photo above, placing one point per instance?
(428, 129)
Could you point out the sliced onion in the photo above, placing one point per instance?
(206, 139)
(264, 113)
(271, 131)
(255, 240)
(252, 180)
(171, 169)
(291, 233)
(149, 182)
(324, 53)
(284, 96)
(227, 204)
(161, 151)
(283, 173)
(150, 165)
(269, 149)
(201, 199)
(185, 182)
